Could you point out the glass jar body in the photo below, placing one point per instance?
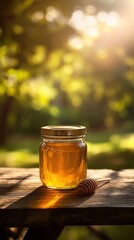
(62, 162)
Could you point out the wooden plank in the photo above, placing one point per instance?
(25, 202)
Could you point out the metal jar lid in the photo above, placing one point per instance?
(53, 131)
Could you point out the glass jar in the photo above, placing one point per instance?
(62, 155)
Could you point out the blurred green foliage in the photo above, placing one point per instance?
(101, 232)
(109, 149)
(65, 64)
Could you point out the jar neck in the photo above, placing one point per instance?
(62, 139)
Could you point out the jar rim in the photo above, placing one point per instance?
(63, 131)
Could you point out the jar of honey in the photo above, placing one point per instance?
(62, 154)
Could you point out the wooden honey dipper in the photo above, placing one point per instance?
(89, 185)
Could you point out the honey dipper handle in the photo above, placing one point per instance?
(103, 181)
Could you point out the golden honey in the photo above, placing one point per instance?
(62, 156)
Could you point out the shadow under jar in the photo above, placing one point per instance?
(62, 154)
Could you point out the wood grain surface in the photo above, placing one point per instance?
(25, 202)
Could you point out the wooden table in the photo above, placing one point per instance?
(24, 202)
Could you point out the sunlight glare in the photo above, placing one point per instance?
(37, 16)
(53, 15)
(90, 20)
(93, 32)
(113, 19)
(102, 16)
(77, 20)
(99, 25)
(76, 42)
(90, 9)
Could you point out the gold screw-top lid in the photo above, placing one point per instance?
(63, 131)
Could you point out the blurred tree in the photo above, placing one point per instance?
(59, 55)
(25, 42)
